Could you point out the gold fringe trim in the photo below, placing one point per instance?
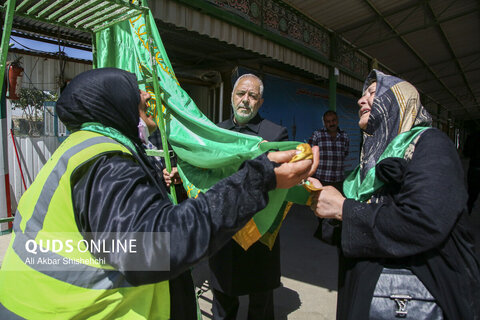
(248, 235)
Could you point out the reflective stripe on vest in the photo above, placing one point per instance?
(95, 290)
(87, 276)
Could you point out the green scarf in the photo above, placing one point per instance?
(109, 132)
(359, 190)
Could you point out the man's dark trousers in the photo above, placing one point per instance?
(255, 272)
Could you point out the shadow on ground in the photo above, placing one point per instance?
(305, 258)
(286, 301)
(307, 265)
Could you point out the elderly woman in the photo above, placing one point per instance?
(405, 247)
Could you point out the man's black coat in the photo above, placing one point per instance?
(234, 270)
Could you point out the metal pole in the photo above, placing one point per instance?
(7, 28)
(220, 103)
(18, 159)
(5, 205)
(94, 50)
(332, 89)
(213, 103)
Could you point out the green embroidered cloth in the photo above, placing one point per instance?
(206, 153)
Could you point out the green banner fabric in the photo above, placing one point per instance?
(359, 190)
(206, 153)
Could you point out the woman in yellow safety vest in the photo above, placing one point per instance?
(96, 236)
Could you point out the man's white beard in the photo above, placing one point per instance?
(243, 118)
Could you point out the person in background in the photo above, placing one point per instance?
(173, 177)
(256, 271)
(98, 184)
(183, 304)
(403, 217)
(333, 145)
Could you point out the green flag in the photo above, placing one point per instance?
(206, 153)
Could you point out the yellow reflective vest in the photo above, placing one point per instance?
(89, 290)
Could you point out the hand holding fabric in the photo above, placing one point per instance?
(172, 177)
(291, 174)
(328, 202)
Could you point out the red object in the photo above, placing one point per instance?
(18, 159)
(15, 75)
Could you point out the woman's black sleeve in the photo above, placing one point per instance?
(114, 195)
(420, 216)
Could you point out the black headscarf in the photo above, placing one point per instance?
(396, 108)
(109, 96)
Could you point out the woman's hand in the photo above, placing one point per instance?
(291, 174)
(328, 202)
(172, 177)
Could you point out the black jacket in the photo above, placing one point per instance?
(258, 127)
(419, 223)
(234, 270)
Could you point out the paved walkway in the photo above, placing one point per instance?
(309, 273)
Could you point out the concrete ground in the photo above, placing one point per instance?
(309, 273)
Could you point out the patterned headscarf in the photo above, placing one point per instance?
(396, 108)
